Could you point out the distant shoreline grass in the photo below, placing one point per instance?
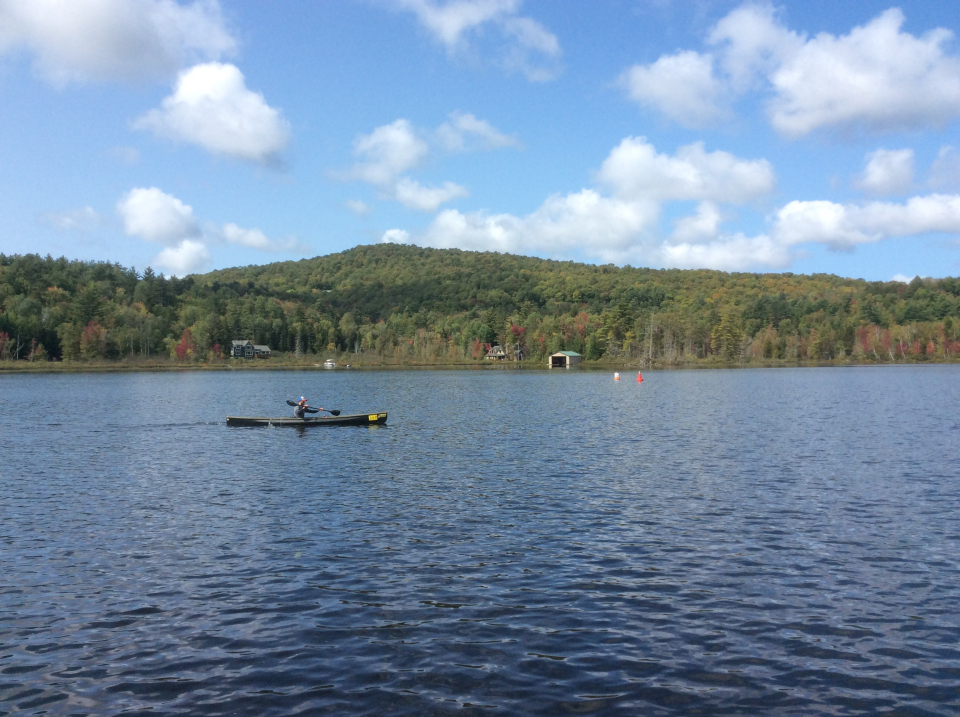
(363, 363)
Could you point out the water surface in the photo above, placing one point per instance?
(512, 542)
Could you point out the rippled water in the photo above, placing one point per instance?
(709, 542)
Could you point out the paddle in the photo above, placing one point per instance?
(311, 409)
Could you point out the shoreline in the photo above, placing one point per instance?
(66, 367)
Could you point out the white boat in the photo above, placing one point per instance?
(329, 363)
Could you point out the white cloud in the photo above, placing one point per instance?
(701, 227)
(902, 278)
(156, 216)
(78, 220)
(256, 239)
(212, 108)
(843, 226)
(187, 257)
(888, 171)
(599, 226)
(449, 22)
(395, 236)
(528, 47)
(463, 131)
(681, 86)
(624, 225)
(751, 44)
(635, 169)
(357, 207)
(875, 77)
(113, 39)
(945, 172)
(389, 151)
(727, 253)
(412, 194)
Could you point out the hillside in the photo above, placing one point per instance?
(406, 304)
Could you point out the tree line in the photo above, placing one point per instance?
(405, 304)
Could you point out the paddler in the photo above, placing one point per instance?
(301, 408)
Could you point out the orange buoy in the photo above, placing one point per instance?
(616, 375)
(639, 377)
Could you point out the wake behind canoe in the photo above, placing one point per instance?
(361, 419)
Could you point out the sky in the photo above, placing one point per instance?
(805, 137)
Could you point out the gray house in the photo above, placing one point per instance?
(248, 350)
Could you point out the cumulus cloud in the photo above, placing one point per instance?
(682, 87)
(77, 220)
(186, 257)
(701, 227)
(412, 194)
(463, 131)
(127, 40)
(734, 252)
(888, 171)
(601, 226)
(623, 224)
(526, 45)
(386, 153)
(876, 77)
(156, 216)
(392, 150)
(256, 239)
(395, 236)
(211, 107)
(843, 226)
(752, 43)
(620, 221)
(635, 169)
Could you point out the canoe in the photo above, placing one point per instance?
(361, 419)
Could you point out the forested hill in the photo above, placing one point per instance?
(408, 304)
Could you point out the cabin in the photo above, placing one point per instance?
(496, 353)
(564, 359)
(248, 350)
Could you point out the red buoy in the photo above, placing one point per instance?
(639, 377)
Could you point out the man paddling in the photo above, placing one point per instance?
(301, 408)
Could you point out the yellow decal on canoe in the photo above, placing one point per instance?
(372, 417)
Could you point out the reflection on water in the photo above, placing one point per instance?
(708, 542)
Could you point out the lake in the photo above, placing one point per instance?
(707, 542)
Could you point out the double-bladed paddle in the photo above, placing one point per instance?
(311, 409)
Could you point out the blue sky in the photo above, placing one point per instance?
(795, 136)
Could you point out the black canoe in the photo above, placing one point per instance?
(363, 419)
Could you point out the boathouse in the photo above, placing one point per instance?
(564, 359)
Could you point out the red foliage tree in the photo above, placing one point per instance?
(186, 348)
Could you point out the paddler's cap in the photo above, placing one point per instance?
(302, 398)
